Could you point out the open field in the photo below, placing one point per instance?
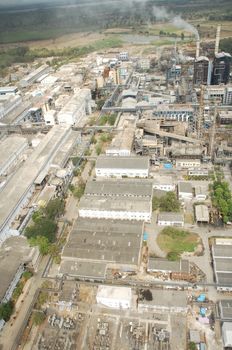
(177, 242)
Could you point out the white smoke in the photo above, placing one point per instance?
(160, 13)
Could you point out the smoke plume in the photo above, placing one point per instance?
(160, 13)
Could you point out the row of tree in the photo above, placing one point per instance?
(43, 230)
(222, 199)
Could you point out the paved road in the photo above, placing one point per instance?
(12, 328)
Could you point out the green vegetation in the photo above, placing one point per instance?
(42, 299)
(26, 55)
(6, 310)
(222, 199)
(175, 241)
(38, 317)
(192, 346)
(42, 232)
(78, 190)
(98, 148)
(168, 202)
(107, 119)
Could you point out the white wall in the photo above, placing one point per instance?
(104, 172)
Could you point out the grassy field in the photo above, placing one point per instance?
(177, 240)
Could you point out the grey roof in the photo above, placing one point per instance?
(84, 269)
(104, 241)
(166, 298)
(22, 180)
(130, 162)
(194, 336)
(222, 250)
(224, 278)
(157, 264)
(222, 265)
(225, 307)
(170, 216)
(184, 186)
(202, 213)
(9, 147)
(132, 188)
(14, 252)
(129, 93)
(115, 204)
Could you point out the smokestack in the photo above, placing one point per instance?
(198, 47)
(217, 39)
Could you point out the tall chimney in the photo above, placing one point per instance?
(217, 39)
(197, 48)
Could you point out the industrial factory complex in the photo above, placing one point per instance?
(116, 201)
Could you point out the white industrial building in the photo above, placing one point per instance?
(49, 117)
(11, 152)
(34, 75)
(201, 213)
(170, 219)
(122, 143)
(198, 172)
(120, 209)
(5, 90)
(163, 183)
(117, 199)
(114, 297)
(122, 166)
(76, 108)
(185, 190)
(8, 103)
(227, 334)
(188, 163)
(200, 193)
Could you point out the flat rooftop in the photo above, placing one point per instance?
(132, 188)
(202, 213)
(22, 180)
(9, 147)
(115, 204)
(158, 264)
(167, 298)
(130, 162)
(116, 293)
(170, 216)
(185, 187)
(225, 307)
(14, 252)
(111, 241)
(83, 269)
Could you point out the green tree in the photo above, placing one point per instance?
(192, 346)
(42, 227)
(42, 242)
(54, 208)
(6, 310)
(169, 202)
(182, 36)
(155, 203)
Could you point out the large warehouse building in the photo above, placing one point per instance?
(12, 149)
(95, 245)
(129, 166)
(222, 263)
(119, 200)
